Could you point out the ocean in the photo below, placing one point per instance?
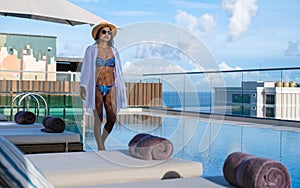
(179, 100)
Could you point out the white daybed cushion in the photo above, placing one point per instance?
(29, 135)
(194, 182)
(3, 117)
(107, 167)
(12, 124)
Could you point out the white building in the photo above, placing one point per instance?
(260, 99)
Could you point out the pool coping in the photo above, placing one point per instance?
(276, 124)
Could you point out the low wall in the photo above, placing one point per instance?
(138, 94)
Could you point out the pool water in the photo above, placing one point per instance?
(209, 142)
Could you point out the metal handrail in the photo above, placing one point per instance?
(23, 96)
(221, 71)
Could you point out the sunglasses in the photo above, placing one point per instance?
(105, 31)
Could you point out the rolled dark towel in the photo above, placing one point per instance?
(255, 172)
(149, 147)
(231, 164)
(53, 125)
(25, 117)
(261, 172)
(136, 138)
(133, 142)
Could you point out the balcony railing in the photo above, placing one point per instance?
(263, 93)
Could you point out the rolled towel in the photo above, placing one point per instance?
(255, 172)
(149, 147)
(25, 117)
(261, 172)
(133, 142)
(231, 164)
(53, 125)
(136, 138)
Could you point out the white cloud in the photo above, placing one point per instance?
(200, 27)
(207, 23)
(224, 66)
(293, 48)
(151, 50)
(187, 20)
(240, 16)
(150, 66)
(71, 50)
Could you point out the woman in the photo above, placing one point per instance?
(102, 87)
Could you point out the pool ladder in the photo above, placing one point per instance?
(27, 97)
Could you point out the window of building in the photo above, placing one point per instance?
(241, 98)
(270, 112)
(270, 99)
(236, 110)
(241, 110)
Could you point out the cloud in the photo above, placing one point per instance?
(150, 66)
(240, 16)
(224, 66)
(184, 19)
(153, 50)
(293, 49)
(200, 27)
(207, 23)
(71, 50)
(170, 54)
(153, 57)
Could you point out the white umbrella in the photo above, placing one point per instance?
(58, 11)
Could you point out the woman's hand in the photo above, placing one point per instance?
(82, 92)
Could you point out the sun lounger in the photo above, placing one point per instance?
(3, 117)
(194, 182)
(12, 124)
(80, 169)
(30, 139)
(108, 167)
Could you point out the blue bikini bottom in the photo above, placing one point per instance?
(104, 89)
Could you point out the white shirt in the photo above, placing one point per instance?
(88, 80)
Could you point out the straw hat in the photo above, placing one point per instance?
(103, 24)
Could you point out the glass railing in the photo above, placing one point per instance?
(262, 93)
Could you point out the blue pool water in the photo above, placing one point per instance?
(209, 142)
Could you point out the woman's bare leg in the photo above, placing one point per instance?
(110, 108)
(98, 118)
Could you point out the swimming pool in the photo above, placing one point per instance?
(208, 141)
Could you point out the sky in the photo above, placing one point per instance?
(239, 34)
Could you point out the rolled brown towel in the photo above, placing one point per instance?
(231, 164)
(53, 125)
(254, 172)
(149, 147)
(263, 173)
(25, 117)
(136, 138)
